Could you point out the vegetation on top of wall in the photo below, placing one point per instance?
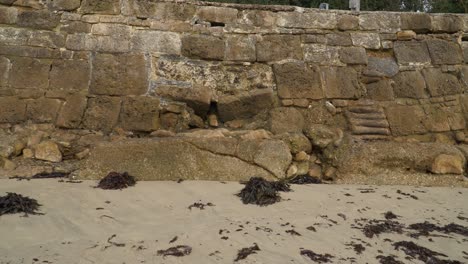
(432, 6)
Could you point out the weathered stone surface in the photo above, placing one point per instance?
(100, 43)
(410, 84)
(442, 119)
(274, 156)
(419, 23)
(69, 75)
(72, 27)
(203, 46)
(446, 23)
(14, 36)
(12, 110)
(448, 164)
(47, 39)
(319, 20)
(381, 21)
(5, 66)
(279, 47)
(440, 83)
(411, 52)
(43, 110)
(217, 14)
(348, 22)
(140, 114)
(38, 19)
(353, 55)
(339, 39)
(66, 5)
(444, 52)
(48, 151)
(406, 120)
(296, 142)
(366, 40)
(465, 51)
(102, 113)
(321, 54)
(341, 83)
(406, 35)
(240, 48)
(380, 91)
(321, 135)
(108, 7)
(8, 15)
(107, 29)
(161, 10)
(298, 80)
(29, 73)
(382, 65)
(196, 97)
(286, 120)
(245, 104)
(123, 74)
(156, 41)
(71, 113)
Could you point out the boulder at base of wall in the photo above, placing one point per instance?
(448, 164)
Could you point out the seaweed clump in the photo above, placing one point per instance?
(262, 192)
(423, 254)
(177, 251)
(319, 258)
(116, 181)
(14, 203)
(305, 179)
(377, 227)
(424, 229)
(245, 252)
(388, 260)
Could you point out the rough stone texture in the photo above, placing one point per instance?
(366, 40)
(411, 52)
(321, 54)
(12, 110)
(245, 104)
(444, 52)
(448, 164)
(406, 120)
(240, 48)
(8, 15)
(38, 19)
(43, 110)
(353, 55)
(419, 23)
(279, 47)
(380, 91)
(203, 46)
(383, 22)
(298, 80)
(102, 113)
(108, 7)
(70, 75)
(66, 5)
(319, 20)
(446, 23)
(197, 97)
(156, 41)
(440, 83)
(140, 114)
(123, 74)
(410, 84)
(48, 151)
(71, 113)
(29, 73)
(286, 120)
(384, 66)
(217, 14)
(341, 83)
(5, 66)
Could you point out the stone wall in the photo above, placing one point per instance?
(150, 68)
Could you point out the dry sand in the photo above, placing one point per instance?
(148, 216)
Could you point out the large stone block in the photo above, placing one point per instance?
(216, 14)
(102, 113)
(140, 114)
(38, 19)
(73, 27)
(8, 15)
(66, 5)
(410, 84)
(5, 66)
(411, 52)
(123, 74)
(380, 91)
(446, 23)
(71, 113)
(298, 80)
(341, 83)
(245, 104)
(161, 10)
(203, 47)
(339, 39)
(419, 23)
(444, 52)
(465, 51)
(382, 66)
(366, 40)
(279, 47)
(14, 36)
(347, 22)
(442, 119)
(157, 41)
(197, 97)
(108, 7)
(285, 120)
(241, 48)
(317, 20)
(381, 21)
(47, 39)
(106, 29)
(100, 43)
(353, 55)
(322, 54)
(406, 120)
(29, 73)
(12, 110)
(69, 75)
(440, 83)
(43, 110)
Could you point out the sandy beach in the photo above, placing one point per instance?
(82, 224)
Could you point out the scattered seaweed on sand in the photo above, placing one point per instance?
(311, 228)
(245, 252)
(173, 240)
(51, 175)
(262, 192)
(425, 229)
(293, 232)
(358, 248)
(421, 253)
(377, 227)
(177, 251)
(19, 178)
(304, 179)
(116, 181)
(389, 215)
(407, 194)
(388, 260)
(115, 243)
(14, 203)
(319, 258)
(200, 206)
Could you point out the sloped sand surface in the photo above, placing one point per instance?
(79, 220)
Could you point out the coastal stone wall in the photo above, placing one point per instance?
(147, 68)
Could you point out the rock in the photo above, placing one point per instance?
(162, 133)
(140, 114)
(203, 47)
(38, 19)
(71, 112)
(420, 23)
(353, 55)
(384, 66)
(245, 104)
(213, 120)
(341, 82)
(318, 20)
(440, 83)
(411, 52)
(329, 174)
(448, 164)
(315, 171)
(406, 120)
(7, 164)
(69, 75)
(285, 119)
(66, 5)
(274, 156)
(348, 22)
(102, 113)
(279, 47)
(410, 84)
(298, 80)
(157, 41)
(82, 154)
(108, 7)
(48, 151)
(28, 153)
(217, 14)
(240, 48)
(43, 110)
(444, 52)
(301, 156)
(29, 73)
(321, 135)
(257, 134)
(406, 35)
(292, 171)
(366, 40)
(296, 142)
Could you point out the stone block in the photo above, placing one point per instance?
(406, 120)
(140, 114)
(43, 110)
(440, 83)
(381, 65)
(66, 5)
(216, 14)
(380, 21)
(444, 52)
(410, 84)
(279, 47)
(8, 15)
(322, 54)
(285, 120)
(38, 19)
(87, 42)
(298, 80)
(73, 27)
(102, 113)
(71, 113)
(314, 20)
(339, 39)
(69, 75)
(5, 66)
(107, 29)
(341, 83)
(240, 48)
(47, 39)
(157, 41)
(380, 91)
(446, 23)
(448, 164)
(161, 10)
(347, 22)
(465, 51)
(48, 151)
(203, 47)
(419, 23)
(411, 52)
(119, 74)
(257, 18)
(14, 36)
(245, 104)
(107, 7)
(443, 119)
(12, 110)
(29, 73)
(353, 55)
(366, 40)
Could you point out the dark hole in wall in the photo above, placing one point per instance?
(217, 24)
(465, 38)
(213, 108)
